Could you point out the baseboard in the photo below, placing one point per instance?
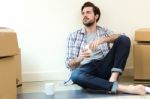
(43, 76)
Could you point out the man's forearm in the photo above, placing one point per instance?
(111, 38)
(75, 62)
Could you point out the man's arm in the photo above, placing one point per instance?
(110, 38)
(76, 61)
(72, 59)
(97, 42)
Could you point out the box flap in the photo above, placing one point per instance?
(142, 34)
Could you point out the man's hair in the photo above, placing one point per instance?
(96, 10)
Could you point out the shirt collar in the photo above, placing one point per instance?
(83, 30)
(97, 30)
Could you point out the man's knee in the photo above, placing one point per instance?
(75, 75)
(124, 40)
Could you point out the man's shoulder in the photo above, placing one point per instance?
(102, 28)
(80, 30)
(77, 31)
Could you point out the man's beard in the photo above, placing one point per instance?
(88, 24)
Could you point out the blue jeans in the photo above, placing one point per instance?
(96, 74)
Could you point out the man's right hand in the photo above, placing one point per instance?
(82, 55)
(86, 53)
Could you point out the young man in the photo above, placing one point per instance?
(94, 65)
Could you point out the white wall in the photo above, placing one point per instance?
(43, 25)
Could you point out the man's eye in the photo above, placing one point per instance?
(88, 12)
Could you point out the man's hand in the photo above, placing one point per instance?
(93, 45)
(85, 53)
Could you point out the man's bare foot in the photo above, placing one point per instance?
(137, 89)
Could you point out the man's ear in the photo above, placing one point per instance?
(96, 16)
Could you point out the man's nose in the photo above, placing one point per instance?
(84, 15)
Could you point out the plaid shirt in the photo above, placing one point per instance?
(77, 41)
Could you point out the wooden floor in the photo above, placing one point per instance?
(36, 89)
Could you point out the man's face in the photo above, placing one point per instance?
(88, 16)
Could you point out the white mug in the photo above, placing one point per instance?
(49, 88)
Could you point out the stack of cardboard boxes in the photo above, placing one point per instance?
(142, 55)
(10, 64)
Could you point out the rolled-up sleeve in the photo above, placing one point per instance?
(108, 32)
(116, 70)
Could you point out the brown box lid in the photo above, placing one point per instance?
(142, 34)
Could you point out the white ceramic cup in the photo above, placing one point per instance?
(49, 88)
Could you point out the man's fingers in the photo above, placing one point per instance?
(91, 46)
(84, 50)
(86, 54)
(94, 45)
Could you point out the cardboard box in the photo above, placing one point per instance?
(18, 70)
(8, 42)
(142, 34)
(141, 54)
(8, 78)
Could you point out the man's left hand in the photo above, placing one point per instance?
(93, 45)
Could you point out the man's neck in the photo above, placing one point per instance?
(91, 29)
